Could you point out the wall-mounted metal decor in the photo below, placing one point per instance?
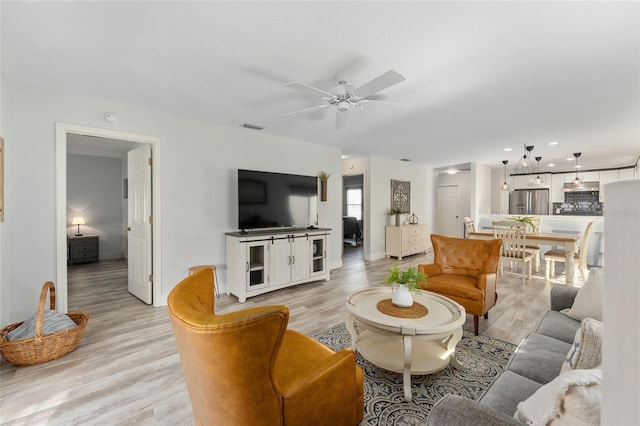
(401, 195)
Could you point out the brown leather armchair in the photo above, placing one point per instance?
(466, 271)
(246, 368)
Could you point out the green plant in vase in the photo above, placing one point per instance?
(527, 220)
(408, 281)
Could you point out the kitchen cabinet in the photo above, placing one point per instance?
(557, 185)
(260, 262)
(586, 176)
(626, 174)
(607, 176)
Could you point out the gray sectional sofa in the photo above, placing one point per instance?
(537, 361)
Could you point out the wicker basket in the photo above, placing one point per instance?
(39, 348)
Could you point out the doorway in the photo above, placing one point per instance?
(448, 211)
(353, 216)
(109, 140)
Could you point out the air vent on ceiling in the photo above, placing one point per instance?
(252, 126)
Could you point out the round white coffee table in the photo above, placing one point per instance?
(406, 345)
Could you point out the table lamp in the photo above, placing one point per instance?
(78, 220)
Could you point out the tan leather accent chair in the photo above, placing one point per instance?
(246, 368)
(465, 270)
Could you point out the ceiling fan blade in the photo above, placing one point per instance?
(296, 85)
(306, 110)
(376, 101)
(342, 119)
(379, 83)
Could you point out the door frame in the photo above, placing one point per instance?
(62, 130)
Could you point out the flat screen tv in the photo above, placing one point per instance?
(276, 200)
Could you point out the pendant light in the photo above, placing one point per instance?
(505, 185)
(577, 182)
(538, 180)
(525, 166)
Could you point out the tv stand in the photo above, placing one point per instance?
(266, 260)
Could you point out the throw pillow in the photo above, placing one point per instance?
(588, 301)
(52, 322)
(572, 398)
(586, 351)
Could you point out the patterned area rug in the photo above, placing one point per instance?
(483, 358)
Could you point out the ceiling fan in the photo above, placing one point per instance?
(344, 96)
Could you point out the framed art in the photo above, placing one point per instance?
(400, 195)
(125, 188)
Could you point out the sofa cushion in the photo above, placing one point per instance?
(588, 302)
(572, 398)
(507, 390)
(539, 358)
(586, 351)
(559, 326)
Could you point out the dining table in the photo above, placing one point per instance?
(569, 243)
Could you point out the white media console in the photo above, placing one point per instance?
(266, 260)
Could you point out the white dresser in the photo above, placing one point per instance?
(405, 240)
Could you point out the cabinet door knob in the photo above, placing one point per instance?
(127, 228)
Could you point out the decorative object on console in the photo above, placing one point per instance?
(401, 196)
(413, 219)
(78, 220)
(324, 178)
(505, 185)
(395, 217)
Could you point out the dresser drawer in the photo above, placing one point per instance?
(83, 249)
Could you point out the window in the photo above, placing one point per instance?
(354, 202)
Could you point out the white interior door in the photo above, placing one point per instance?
(448, 223)
(139, 223)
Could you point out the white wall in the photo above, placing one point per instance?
(480, 190)
(94, 191)
(198, 184)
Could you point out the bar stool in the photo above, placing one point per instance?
(197, 268)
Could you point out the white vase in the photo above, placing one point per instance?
(402, 297)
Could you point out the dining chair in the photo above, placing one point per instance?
(534, 249)
(469, 226)
(514, 241)
(553, 256)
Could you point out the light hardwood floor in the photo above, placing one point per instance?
(126, 368)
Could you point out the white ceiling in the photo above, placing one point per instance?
(480, 76)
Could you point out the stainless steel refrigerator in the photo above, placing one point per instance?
(529, 202)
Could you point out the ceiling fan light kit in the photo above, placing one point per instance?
(344, 96)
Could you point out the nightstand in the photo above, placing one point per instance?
(84, 248)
